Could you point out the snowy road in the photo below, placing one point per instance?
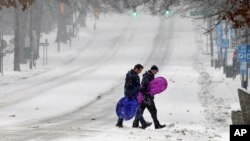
(77, 100)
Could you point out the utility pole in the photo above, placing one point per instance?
(226, 46)
(245, 83)
(226, 49)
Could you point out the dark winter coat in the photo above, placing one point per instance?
(147, 78)
(132, 84)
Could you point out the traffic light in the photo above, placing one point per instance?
(134, 12)
(167, 11)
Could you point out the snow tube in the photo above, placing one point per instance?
(126, 108)
(158, 85)
(140, 98)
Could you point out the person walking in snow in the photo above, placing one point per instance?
(148, 101)
(132, 88)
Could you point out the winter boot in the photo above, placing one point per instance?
(147, 124)
(119, 124)
(159, 126)
(135, 124)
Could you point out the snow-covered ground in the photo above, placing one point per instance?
(74, 97)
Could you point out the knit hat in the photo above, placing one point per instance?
(154, 67)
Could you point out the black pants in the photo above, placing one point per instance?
(150, 105)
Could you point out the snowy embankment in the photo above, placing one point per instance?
(76, 100)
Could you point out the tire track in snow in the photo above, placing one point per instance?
(66, 78)
(38, 74)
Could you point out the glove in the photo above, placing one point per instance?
(147, 100)
(152, 97)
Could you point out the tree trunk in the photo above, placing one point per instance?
(65, 17)
(17, 33)
(38, 16)
(31, 36)
(211, 42)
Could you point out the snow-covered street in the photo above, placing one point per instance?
(76, 98)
